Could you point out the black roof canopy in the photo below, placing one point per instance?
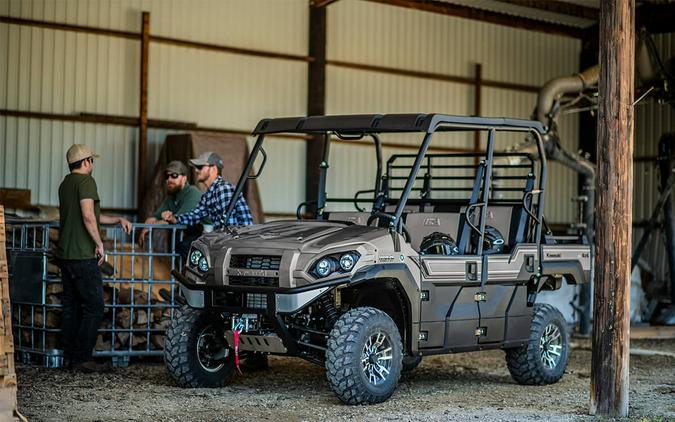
(379, 123)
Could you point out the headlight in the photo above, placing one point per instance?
(194, 256)
(347, 262)
(203, 265)
(325, 267)
(342, 262)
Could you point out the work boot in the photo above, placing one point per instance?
(90, 367)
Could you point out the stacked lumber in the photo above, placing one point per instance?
(7, 373)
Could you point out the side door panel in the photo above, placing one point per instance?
(449, 313)
(505, 294)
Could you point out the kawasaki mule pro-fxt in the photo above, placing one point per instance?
(446, 255)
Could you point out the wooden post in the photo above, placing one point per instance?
(611, 313)
(316, 96)
(143, 108)
(7, 373)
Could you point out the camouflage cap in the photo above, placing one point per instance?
(176, 167)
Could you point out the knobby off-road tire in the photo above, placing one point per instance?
(544, 358)
(411, 362)
(364, 356)
(192, 340)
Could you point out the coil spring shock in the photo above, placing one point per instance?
(329, 309)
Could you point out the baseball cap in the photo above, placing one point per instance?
(79, 152)
(176, 167)
(208, 159)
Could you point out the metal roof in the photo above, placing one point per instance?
(534, 12)
(380, 123)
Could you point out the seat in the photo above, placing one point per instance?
(421, 224)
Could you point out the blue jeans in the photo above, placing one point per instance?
(82, 308)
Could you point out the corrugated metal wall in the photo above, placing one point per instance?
(390, 36)
(652, 120)
(56, 71)
(65, 72)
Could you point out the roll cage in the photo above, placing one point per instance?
(356, 127)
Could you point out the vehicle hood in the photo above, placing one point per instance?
(303, 236)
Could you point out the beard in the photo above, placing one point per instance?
(171, 189)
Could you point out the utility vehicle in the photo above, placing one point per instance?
(446, 253)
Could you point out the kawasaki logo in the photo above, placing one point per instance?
(252, 273)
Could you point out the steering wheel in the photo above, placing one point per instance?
(404, 229)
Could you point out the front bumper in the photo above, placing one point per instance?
(251, 299)
(271, 302)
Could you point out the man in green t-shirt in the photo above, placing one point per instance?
(181, 198)
(80, 252)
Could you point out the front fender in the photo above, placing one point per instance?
(406, 282)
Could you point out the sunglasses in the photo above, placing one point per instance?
(168, 176)
(91, 160)
(201, 167)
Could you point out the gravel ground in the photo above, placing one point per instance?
(462, 387)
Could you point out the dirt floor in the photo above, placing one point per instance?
(463, 387)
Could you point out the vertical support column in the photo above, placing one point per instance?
(588, 124)
(478, 77)
(143, 109)
(611, 314)
(7, 370)
(316, 96)
(666, 161)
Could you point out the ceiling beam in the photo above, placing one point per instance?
(560, 7)
(467, 12)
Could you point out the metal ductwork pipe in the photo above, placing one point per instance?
(555, 88)
(546, 113)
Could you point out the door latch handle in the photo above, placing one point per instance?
(472, 270)
(529, 263)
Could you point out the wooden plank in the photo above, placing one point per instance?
(154, 38)
(68, 27)
(321, 3)
(434, 76)
(614, 186)
(15, 198)
(228, 49)
(6, 343)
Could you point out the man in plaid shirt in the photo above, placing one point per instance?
(215, 200)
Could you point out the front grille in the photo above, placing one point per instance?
(255, 262)
(256, 300)
(238, 280)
